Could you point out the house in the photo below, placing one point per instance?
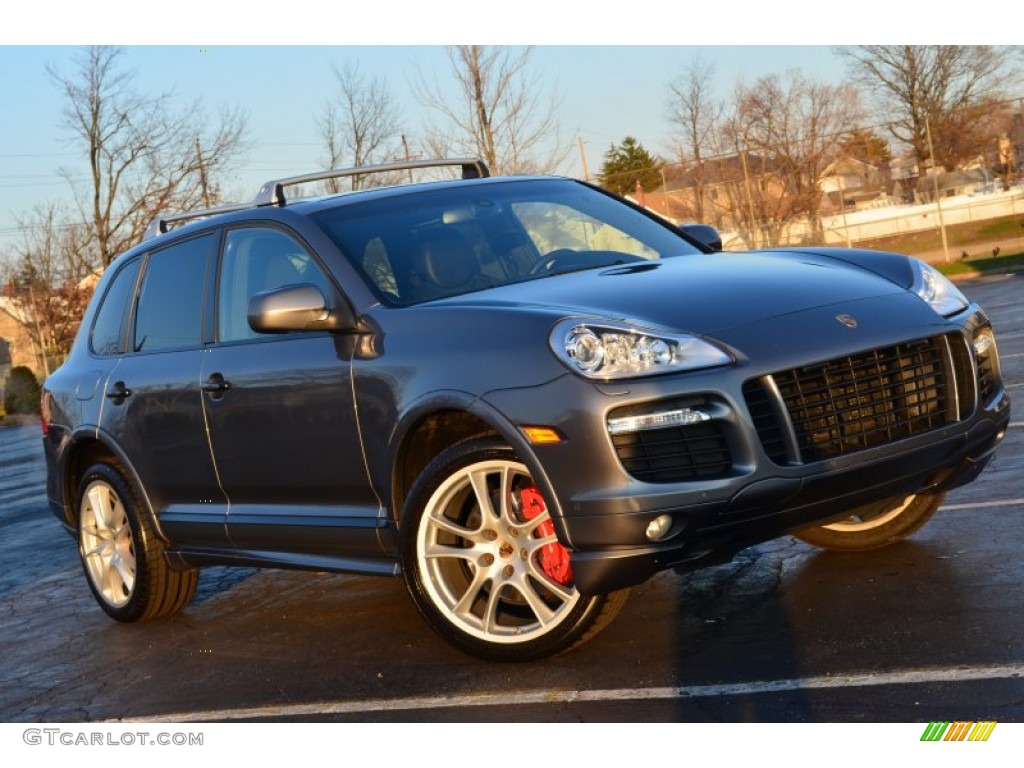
(720, 183)
(851, 184)
(16, 344)
(964, 181)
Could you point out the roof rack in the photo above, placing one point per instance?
(159, 225)
(272, 192)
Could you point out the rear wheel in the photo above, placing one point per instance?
(483, 564)
(875, 525)
(122, 556)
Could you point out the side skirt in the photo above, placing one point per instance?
(197, 558)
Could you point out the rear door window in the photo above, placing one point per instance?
(170, 311)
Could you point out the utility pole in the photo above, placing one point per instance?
(842, 207)
(583, 159)
(935, 186)
(405, 146)
(750, 197)
(664, 191)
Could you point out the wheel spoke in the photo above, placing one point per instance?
(564, 592)
(505, 495)
(442, 523)
(434, 550)
(538, 542)
(464, 607)
(490, 617)
(532, 525)
(100, 550)
(126, 571)
(478, 481)
(99, 507)
(540, 609)
(112, 583)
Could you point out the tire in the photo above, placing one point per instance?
(875, 525)
(482, 563)
(122, 556)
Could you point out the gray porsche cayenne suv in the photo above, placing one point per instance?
(523, 395)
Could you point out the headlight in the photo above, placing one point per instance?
(600, 350)
(932, 286)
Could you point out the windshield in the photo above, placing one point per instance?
(436, 243)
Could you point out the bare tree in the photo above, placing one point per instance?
(500, 114)
(946, 88)
(787, 132)
(142, 157)
(696, 116)
(49, 282)
(359, 126)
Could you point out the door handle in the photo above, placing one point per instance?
(118, 392)
(216, 384)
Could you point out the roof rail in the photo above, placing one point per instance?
(159, 225)
(272, 192)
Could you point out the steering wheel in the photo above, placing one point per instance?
(550, 260)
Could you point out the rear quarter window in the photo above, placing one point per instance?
(108, 330)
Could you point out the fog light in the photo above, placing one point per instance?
(983, 343)
(659, 527)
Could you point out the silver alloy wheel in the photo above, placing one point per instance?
(105, 543)
(481, 564)
(857, 523)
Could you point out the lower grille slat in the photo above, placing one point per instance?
(858, 402)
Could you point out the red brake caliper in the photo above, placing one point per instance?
(554, 558)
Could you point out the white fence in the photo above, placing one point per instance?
(873, 223)
(904, 219)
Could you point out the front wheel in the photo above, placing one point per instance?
(483, 564)
(875, 525)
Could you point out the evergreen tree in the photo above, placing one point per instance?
(627, 164)
(21, 392)
(867, 146)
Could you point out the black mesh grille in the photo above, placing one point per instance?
(862, 401)
(674, 454)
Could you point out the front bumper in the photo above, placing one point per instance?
(602, 511)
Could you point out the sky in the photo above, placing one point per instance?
(607, 93)
(609, 63)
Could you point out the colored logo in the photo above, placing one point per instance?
(958, 731)
(848, 320)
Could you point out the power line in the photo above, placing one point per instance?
(39, 154)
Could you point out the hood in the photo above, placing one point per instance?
(702, 293)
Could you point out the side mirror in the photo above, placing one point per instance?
(704, 234)
(293, 308)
